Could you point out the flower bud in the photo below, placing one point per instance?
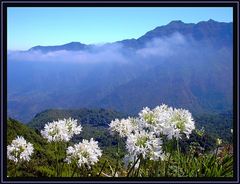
(218, 141)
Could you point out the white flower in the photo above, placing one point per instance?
(144, 133)
(167, 121)
(123, 127)
(180, 122)
(86, 152)
(61, 130)
(155, 120)
(72, 127)
(145, 144)
(148, 116)
(19, 150)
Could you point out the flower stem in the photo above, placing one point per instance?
(68, 170)
(56, 153)
(133, 166)
(166, 169)
(84, 171)
(164, 166)
(65, 145)
(74, 170)
(178, 157)
(16, 169)
(116, 169)
(145, 167)
(102, 168)
(156, 168)
(216, 153)
(139, 165)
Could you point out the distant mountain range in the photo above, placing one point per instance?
(182, 65)
(217, 33)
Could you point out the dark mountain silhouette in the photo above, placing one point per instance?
(69, 46)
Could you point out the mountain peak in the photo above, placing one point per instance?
(211, 20)
(176, 22)
(74, 43)
(68, 46)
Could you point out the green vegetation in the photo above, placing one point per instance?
(217, 125)
(93, 117)
(42, 162)
(193, 161)
(187, 165)
(97, 121)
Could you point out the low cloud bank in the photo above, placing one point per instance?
(160, 47)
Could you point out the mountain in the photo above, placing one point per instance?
(209, 31)
(93, 117)
(68, 46)
(179, 64)
(95, 123)
(194, 86)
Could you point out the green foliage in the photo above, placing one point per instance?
(39, 157)
(94, 117)
(223, 122)
(43, 161)
(15, 128)
(187, 165)
(207, 142)
(196, 158)
(95, 123)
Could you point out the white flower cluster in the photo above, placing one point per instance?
(86, 152)
(123, 127)
(167, 121)
(144, 133)
(19, 150)
(61, 130)
(181, 120)
(145, 144)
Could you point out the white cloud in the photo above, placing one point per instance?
(163, 46)
(158, 47)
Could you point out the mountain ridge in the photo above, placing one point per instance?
(173, 25)
(182, 69)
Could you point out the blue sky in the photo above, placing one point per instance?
(28, 27)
